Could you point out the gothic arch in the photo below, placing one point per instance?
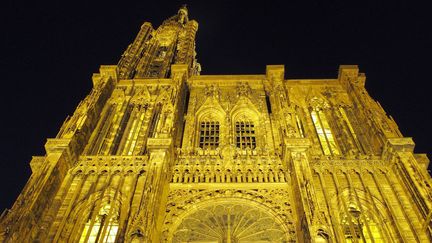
(83, 209)
(247, 126)
(368, 206)
(275, 203)
(246, 108)
(265, 219)
(211, 112)
(211, 107)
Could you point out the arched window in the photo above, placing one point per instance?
(299, 126)
(351, 129)
(245, 134)
(358, 227)
(325, 136)
(154, 121)
(102, 227)
(209, 134)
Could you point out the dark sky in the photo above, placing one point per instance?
(50, 50)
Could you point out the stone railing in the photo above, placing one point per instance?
(232, 151)
(359, 163)
(110, 164)
(207, 169)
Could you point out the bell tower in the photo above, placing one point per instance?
(105, 175)
(154, 51)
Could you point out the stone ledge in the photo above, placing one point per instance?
(159, 143)
(400, 144)
(297, 143)
(57, 145)
(232, 185)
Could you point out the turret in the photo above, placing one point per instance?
(154, 50)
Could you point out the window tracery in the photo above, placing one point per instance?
(245, 134)
(230, 222)
(351, 130)
(101, 228)
(209, 134)
(209, 127)
(324, 133)
(358, 226)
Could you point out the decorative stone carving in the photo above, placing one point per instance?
(325, 159)
(181, 201)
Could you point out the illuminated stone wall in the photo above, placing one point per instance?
(159, 153)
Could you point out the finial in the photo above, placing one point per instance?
(184, 9)
(183, 14)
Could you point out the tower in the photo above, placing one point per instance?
(159, 153)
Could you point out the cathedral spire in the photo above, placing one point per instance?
(155, 50)
(156, 153)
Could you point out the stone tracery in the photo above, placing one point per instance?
(275, 204)
(322, 163)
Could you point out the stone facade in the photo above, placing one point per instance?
(159, 153)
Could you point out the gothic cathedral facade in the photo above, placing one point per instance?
(159, 153)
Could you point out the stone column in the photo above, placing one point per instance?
(310, 217)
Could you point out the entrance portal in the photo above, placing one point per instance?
(229, 222)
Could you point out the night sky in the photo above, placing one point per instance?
(50, 50)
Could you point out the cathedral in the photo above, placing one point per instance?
(157, 152)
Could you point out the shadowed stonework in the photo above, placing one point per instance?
(159, 153)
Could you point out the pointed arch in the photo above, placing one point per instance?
(244, 108)
(363, 217)
(95, 218)
(245, 118)
(211, 108)
(235, 218)
(103, 227)
(209, 124)
(322, 127)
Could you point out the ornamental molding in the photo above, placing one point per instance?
(183, 201)
(318, 103)
(345, 165)
(212, 169)
(159, 143)
(110, 164)
(142, 96)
